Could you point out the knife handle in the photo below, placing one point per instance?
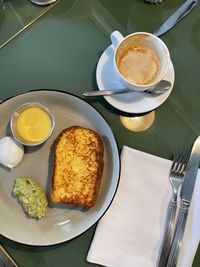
(168, 234)
(188, 9)
(178, 236)
(180, 13)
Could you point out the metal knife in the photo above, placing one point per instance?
(181, 12)
(186, 197)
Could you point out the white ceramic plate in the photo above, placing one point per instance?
(59, 224)
(135, 102)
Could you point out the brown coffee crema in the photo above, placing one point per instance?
(138, 63)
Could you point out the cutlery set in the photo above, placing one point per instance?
(176, 179)
(183, 174)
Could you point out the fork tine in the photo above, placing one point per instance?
(180, 161)
(173, 166)
(177, 162)
(186, 158)
(174, 163)
(183, 161)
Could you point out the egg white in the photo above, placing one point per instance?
(11, 152)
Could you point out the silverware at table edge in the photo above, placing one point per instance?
(159, 88)
(186, 197)
(180, 13)
(176, 179)
(48, 8)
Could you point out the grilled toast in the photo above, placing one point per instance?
(78, 166)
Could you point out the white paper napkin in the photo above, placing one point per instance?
(130, 233)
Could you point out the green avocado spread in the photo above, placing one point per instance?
(32, 197)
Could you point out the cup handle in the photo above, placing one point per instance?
(116, 38)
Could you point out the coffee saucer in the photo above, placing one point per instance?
(134, 102)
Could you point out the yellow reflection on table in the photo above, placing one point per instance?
(138, 123)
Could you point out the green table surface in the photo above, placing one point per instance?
(61, 50)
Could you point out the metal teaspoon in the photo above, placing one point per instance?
(159, 88)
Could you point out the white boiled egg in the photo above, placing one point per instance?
(11, 152)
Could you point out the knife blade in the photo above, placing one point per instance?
(180, 13)
(186, 197)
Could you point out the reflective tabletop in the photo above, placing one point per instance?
(60, 50)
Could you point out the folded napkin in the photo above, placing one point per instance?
(130, 233)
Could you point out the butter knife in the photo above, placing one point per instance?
(186, 197)
(180, 13)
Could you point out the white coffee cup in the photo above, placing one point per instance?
(141, 59)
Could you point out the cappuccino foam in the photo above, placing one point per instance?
(139, 64)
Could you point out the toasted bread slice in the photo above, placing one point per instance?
(78, 166)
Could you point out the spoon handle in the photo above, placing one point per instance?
(107, 92)
(159, 88)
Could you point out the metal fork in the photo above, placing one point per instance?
(176, 178)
